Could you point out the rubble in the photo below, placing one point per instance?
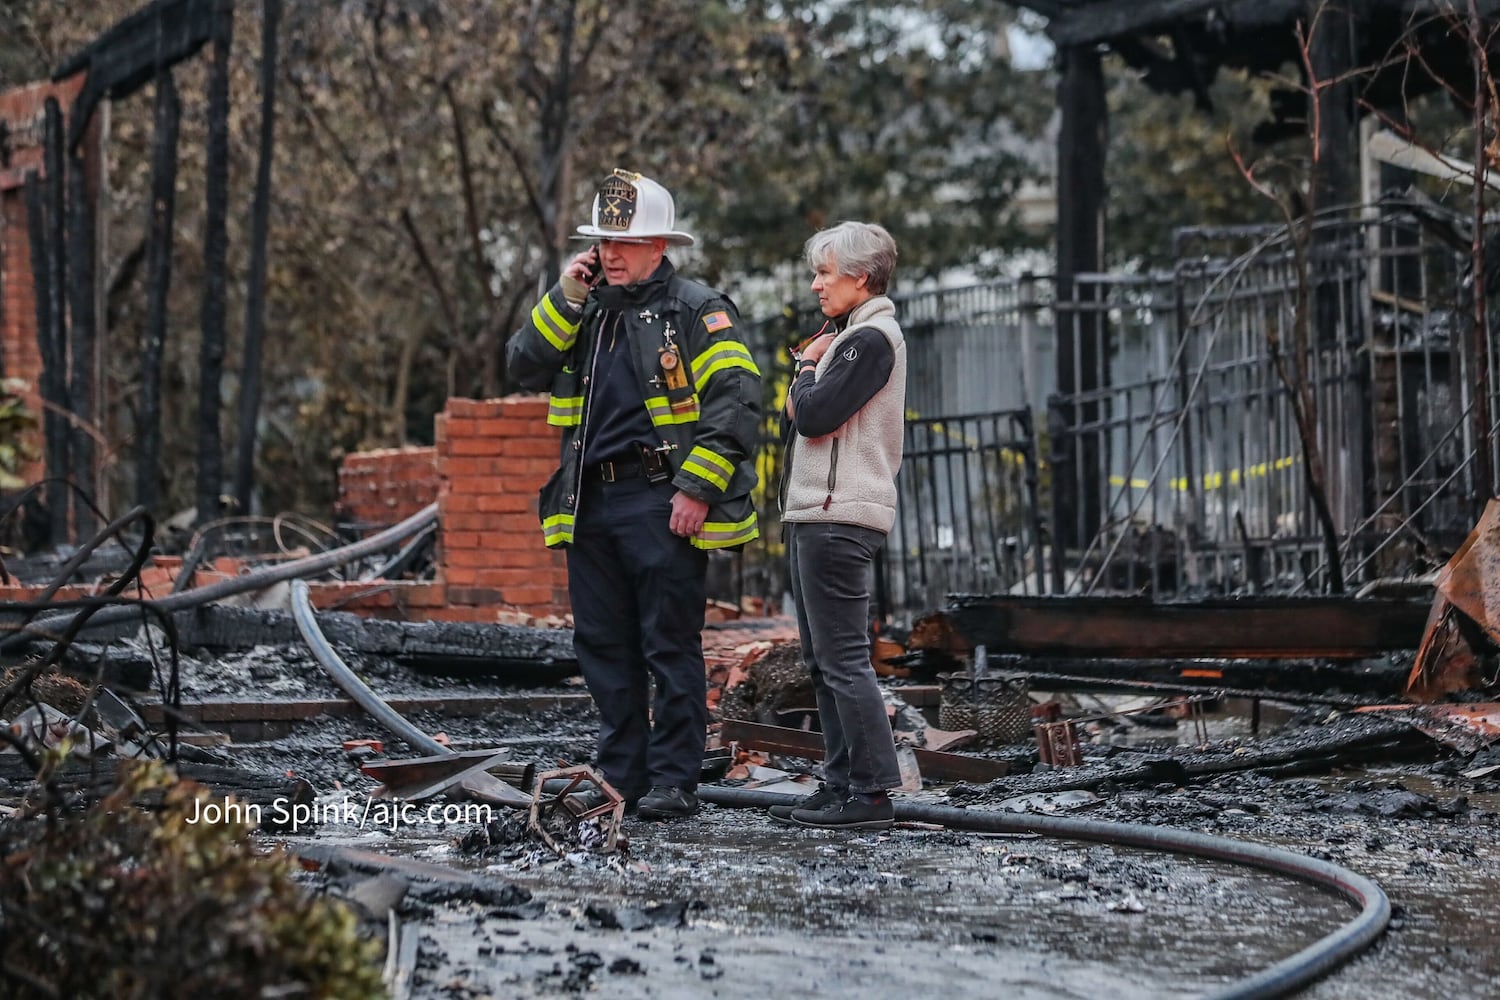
(575, 869)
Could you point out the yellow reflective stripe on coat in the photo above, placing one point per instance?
(557, 530)
(720, 534)
(662, 413)
(720, 356)
(559, 332)
(565, 411)
(709, 466)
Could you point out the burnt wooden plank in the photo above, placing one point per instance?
(94, 779)
(221, 627)
(1251, 628)
(800, 743)
(295, 711)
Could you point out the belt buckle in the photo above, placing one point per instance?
(607, 472)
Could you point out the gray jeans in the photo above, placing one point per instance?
(831, 569)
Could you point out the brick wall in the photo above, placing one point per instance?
(492, 457)
(22, 111)
(379, 488)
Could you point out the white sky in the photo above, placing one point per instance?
(1029, 49)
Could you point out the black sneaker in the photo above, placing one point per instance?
(850, 814)
(666, 802)
(822, 798)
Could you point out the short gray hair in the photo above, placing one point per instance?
(857, 248)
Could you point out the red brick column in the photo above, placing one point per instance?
(22, 112)
(493, 455)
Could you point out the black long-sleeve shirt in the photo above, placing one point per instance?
(863, 365)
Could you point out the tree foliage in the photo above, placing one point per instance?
(433, 158)
(1170, 165)
(907, 113)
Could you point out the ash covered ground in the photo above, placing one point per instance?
(731, 904)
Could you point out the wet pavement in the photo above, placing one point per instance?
(754, 908)
(730, 904)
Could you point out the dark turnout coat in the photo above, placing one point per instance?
(708, 420)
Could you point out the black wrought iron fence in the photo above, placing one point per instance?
(1177, 460)
(969, 511)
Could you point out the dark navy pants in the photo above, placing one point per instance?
(638, 594)
(831, 568)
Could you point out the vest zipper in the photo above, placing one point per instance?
(833, 471)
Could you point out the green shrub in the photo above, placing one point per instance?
(121, 902)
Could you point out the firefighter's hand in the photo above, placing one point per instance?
(583, 266)
(578, 275)
(688, 514)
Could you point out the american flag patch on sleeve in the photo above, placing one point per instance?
(716, 321)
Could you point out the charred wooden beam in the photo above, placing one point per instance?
(1082, 325)
(255, 285)
(219, 628)
(127, 56)
(83, 287)
(93, 780)
(1357, 739)
(168, 117)
(1352, 684)
(1252, 628)
(514, 653)
(800, 743)
(1296, 682)
(225, 712)
(215, 273)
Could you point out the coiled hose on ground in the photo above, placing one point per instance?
(1279, 980)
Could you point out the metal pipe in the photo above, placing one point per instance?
(1278, 980)
(312, 565)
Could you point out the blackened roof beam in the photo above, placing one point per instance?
(1090, 22)
(127, 56)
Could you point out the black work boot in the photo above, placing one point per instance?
(853, 813)
(666, 802)
(820, 799)
(587, 799)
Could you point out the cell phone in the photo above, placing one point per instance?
(592, 271)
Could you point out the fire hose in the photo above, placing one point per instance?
(1279, 980)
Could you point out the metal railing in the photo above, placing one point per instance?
(1177, 455)
(969, 511)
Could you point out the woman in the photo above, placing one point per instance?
(846, 410)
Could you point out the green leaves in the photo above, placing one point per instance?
(897, 112)
(142, 903)
(18, 436)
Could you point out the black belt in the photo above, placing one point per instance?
(613, 472)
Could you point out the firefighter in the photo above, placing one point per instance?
(658, 400)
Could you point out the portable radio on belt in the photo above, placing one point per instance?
(654, 463)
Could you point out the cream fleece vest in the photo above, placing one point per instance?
(849, 476)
